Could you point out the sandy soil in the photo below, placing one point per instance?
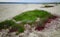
(7, 11)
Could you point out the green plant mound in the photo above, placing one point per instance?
(30, 16)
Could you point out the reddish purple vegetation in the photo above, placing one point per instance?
(54, 17)
(39, 28)
(12, 30)
(50, 19)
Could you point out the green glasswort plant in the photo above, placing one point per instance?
(33, 15)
